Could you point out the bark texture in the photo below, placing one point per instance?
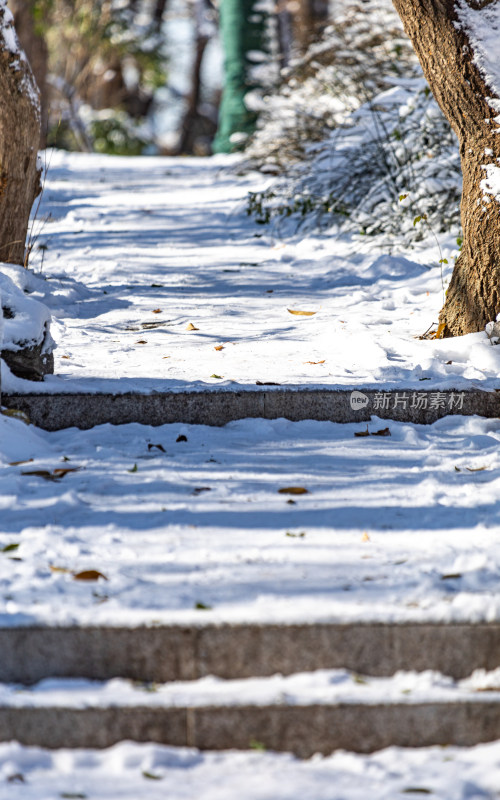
(446, 56)
(35, 47)
(19, 137)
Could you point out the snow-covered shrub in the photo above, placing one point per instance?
(356, 58)
(393, 160)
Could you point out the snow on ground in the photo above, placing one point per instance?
(137, 250)
(131, 771)
(307, 688)
(399, 527)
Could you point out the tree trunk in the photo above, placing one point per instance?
(35, 47)
(440, 39)
(19, 137)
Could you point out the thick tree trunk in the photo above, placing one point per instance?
(35, 47)
(447, 58)
(19, 137)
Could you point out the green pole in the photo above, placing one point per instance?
(242, 30)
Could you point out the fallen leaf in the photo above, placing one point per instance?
(55, 475)
(141, 341)
(134, 468)
(449, 362)
(42, 473)
(451, 576)
(16, 413)
(440, 329)
(18, 463)
(202, 607)
(9, 548)
(200, 489)
(65, 356)
(416, 790)
(150, 776)
(382, 432)
(165, 356)
(365, 537)
(157, 285)
(157, 446)
(181, 438)
(267, 383)
(291, 502)
(457, 469)
(156, 311)
(88, 575)
(295, 535)
(60, 472)
(362, 433)
(191, 327)
(17, 777)
(301, 313)
(219, 377)
(219, 347)
(314, 362)
(475, 469)
(53, 568)
(359, 679)
(269, 291)
(293, 490)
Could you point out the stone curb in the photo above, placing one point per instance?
(303, 730)
(169, 653)
(220, 406)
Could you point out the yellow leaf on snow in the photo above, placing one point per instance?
(301, 313)
(191, 327)
(293, 490)
(365, 537)
(219, 347)
(315, 362)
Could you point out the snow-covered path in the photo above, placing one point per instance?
(130, 772)
(399, 527)
(157, 279)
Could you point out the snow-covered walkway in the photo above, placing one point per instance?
(157, 279)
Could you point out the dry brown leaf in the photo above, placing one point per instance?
(156, 311)
(165, 356)
(60, 472)
(65, 356)
(382, 432)
(267, 383)
(293, 490)
(475, 469)
(53, 568)
(41, 473)
(55, 475)
(200, 489)
(18, 463)
(219, 347)
(301, 313)
(141, 341)
(362, 433)
(314, 362)
(191, 327)
(88, 575)
(157, 446)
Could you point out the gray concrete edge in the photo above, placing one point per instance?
(303, 730)
(166, 653)
(218, 407)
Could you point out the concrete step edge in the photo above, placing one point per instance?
(220, 406)
(167, 653)
(302, 730)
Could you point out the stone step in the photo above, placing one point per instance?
(168, 653)
(304, 714)
(220, 406)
